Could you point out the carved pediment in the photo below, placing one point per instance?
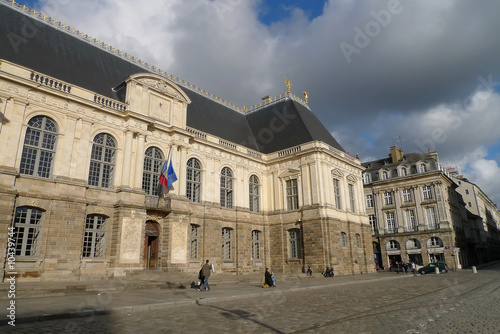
(290, 173)
(352, 178)
(337, 173)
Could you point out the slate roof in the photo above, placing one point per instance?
(45, 49)
(408, 159)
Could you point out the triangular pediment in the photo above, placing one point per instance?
(290, 172)
(338, 173)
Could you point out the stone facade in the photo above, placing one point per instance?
(74, 224)
(415, 212)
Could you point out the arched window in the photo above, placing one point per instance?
(423, 168)
(358, 240)
(404, 171)
(226, 188)
(366, 178)
(434, 242)
(193, 180)
(153, 161)
(39, 147)
(102, 161)
(254, 193)
(393, 245)
(27, 228)
(226, 243)
(385, 175)
(95, 236)
(343, 239)
(413, 244)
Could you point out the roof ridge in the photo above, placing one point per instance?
(138, 62)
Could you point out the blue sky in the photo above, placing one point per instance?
(272, 11)
(425, 71)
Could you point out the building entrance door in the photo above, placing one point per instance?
(151, 248)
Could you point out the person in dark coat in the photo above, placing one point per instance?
(206, 271)
(268, 278)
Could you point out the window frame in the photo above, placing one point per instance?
(343, 239)
(292, 194)
(352, 197)
(337, 193)
(388, 200)
(39, 148)
(295, 243)
(256, 239)
(390, 218)
(28, 240)
(254, 193)
(95, 248)
(369, 201)
(194, 242)
(226, 188)
(153, 162)
(193, 180)
(407, 197)
(227, 238)
(103, 167)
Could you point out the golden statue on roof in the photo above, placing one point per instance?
(306, 96)
(288, 85)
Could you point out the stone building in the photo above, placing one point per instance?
(485, 218)
(414, 211)
(85, 130)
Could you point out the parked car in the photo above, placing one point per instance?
(431, 268)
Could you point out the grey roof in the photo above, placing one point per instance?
(408, 159)
(62, 55)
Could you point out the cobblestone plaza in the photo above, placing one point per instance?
(456, 302)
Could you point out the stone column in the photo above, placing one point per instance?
(139, 161)
(127, 159)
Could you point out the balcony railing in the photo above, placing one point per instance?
(162, 203)
(432, 227)
(411, 229)
(390, 231)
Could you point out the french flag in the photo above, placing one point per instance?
(167, 176)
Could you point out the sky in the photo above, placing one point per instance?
(421, 74)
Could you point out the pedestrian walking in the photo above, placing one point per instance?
(206, 270)
(309, 272)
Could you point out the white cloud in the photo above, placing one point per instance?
(417, 78)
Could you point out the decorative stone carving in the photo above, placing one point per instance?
(130, 241)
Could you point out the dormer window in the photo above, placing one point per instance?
(423, 168)
(404, 171)
(366, 178)
(385, 175)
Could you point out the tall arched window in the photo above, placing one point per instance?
(153, 160)
(39, 147)
(254, 193)
(102, 161)
(343, 239)
(226, 188)
(193, 180)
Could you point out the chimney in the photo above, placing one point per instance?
(396, 154)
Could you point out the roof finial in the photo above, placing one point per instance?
(306, 97)
(288, 85)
